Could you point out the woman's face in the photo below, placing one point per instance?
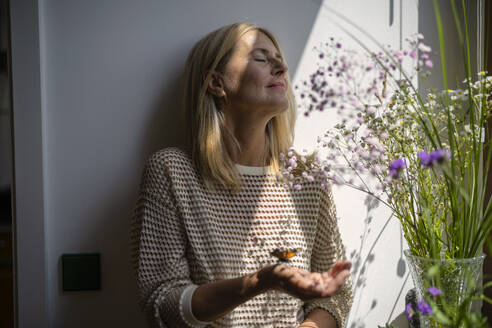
(254, 79)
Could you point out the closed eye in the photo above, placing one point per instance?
(260, 60)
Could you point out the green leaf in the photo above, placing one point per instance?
(433, 271)
(441, 317)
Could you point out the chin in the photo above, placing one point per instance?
(280, 103)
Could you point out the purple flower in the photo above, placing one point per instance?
(409, 311)
(439, 156)
(425, 159)
(436, 157)
(336, 180)
(424, 308)
(434, 291)
(395, 167)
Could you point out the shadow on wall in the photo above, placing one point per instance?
(166, 125)
(361, 263)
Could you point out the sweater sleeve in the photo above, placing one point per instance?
(159, 244)
(327, 250)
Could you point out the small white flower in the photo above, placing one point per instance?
(424, 48)
(365, 154)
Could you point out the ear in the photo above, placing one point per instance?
(216, 85)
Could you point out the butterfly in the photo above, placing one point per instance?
(284, 255)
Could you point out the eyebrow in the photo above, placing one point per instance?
(266, 52)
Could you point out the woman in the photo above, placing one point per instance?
(205, 225)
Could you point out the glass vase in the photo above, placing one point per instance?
(455, 277)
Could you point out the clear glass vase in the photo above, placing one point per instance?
(453, 277)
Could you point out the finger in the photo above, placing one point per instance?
(346, 265)
(342, 276)
(340, 266)
(336, 271)
(334, 284)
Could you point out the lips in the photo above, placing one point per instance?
(277, 85)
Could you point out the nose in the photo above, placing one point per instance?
(279, 68)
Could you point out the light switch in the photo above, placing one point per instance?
(81, 272)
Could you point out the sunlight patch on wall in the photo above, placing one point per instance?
(373, 239)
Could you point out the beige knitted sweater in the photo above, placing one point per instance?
(185, 234)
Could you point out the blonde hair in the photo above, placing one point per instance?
(208, 132)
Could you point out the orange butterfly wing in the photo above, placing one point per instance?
(285, 254)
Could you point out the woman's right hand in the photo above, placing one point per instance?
(303, 284)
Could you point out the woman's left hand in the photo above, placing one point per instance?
(307, 285)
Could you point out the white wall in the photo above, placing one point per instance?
(107, 74)
(94, 85)
(372, 237)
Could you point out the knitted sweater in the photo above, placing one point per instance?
(184, 234)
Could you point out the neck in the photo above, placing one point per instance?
(251, 137)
